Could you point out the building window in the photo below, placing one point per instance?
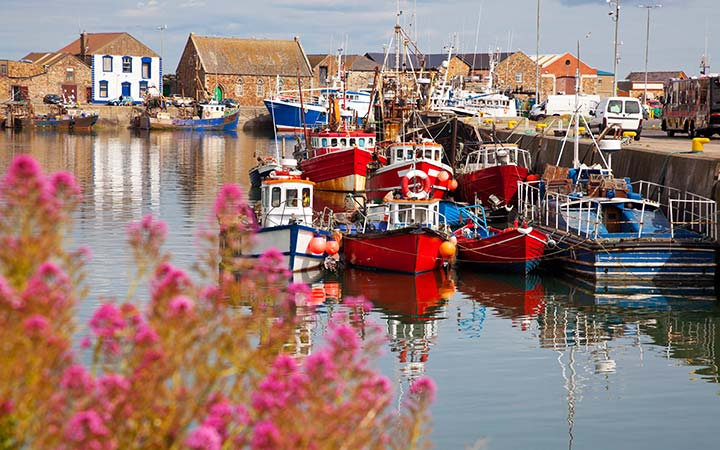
(323, 75)
(239, 88)
(107, 63)
(127, 64)
(146, 68)
(143, 88)
(69, 74)
(260, 87)
(103, 89)
(3, 69)
(518, 77)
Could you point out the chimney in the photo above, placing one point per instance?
(83, 45)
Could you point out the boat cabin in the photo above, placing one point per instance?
(396, 214)
(493, 155)
(212, 110)
(409, 151)
(331, 141)
(286, 199)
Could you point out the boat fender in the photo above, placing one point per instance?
(426, 186)
(551, 243)
(524, 230)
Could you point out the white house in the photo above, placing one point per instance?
(120, 64)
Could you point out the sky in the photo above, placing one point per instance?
(679, 29)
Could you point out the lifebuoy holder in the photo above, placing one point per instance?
(410, 191)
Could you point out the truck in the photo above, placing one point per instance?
(560, 105)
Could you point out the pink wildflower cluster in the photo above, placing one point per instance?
(199, 366)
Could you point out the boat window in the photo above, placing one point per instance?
(361, 142)
(399, 153)
(291, 196)
(275, 197)
(421, 216)
(333, 142)
(352, 142)
(324, 142)
(437, 155)
(371, 142)
(306, 197)
(265, 198)
(428, 153)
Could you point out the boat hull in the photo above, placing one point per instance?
(517, 250)
(293, 241)
(288, 116)
(407, 250)
(657, 260)
(340, 170)
(225, 123)
(500, 181)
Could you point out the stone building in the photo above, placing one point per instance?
(480, 64)
(634, 84)
(427, 66)
(15, 79)
(63, 74)
(120, 64)
(358, 71)
(516, 73)
(605, 83)
(248, 70)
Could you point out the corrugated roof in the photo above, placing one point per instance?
(481, 61)
(654, 76)
(546, 60)
(604, 73)
(235, 56)
(47, 58)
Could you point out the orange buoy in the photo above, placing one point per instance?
(443, 176)
(332, 246)
(447, 249)
(317, 245)
(533, 177)
(452, 184)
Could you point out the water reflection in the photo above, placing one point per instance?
(411, 305)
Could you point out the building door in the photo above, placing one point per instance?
(218, 93)
(20, 93)
(126, 89)
(88, 94)
(69, 92)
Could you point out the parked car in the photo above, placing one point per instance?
(230, 103)
(179, 100)
(53, 99)
(123, 100)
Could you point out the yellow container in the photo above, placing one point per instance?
(512, 124)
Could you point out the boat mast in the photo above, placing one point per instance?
(576, 116)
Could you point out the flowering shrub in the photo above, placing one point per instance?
(196, 365)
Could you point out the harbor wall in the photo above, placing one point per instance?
(251, 117)
(696, 172)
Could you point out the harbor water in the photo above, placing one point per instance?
(536, 362)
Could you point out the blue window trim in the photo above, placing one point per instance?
(111, 63)
(122, 68)
(141, 85)
(100, 89)
(148, 61)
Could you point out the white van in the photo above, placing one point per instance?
(624, 111)
(560, 105)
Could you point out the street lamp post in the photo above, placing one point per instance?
(537, 55)
(616, 17)
(647, 46)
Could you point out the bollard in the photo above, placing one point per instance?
(540, 128)
(581, 130)
(512, 124)
(698, 143)
(629, 134)
(488, 121)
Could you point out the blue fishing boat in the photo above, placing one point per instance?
(613, 230)
(211, 116)
(287, 112)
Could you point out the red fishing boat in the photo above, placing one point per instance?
(516, 249)
(490, 175)
(400, 236)
(415, 169)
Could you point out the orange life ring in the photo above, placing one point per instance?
(207, 114)
(411, 193)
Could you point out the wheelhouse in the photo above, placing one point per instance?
(286, 201)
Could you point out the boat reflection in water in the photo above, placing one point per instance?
(411, 304)
(515, 296)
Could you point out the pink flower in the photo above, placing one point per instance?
(84, 423)
(7, 294)
(49, 286)
(229, 200)
(107, 320)
(169, 281)
(266, 436)
(113, 382)
(204, 438)
(358, 302)
(146, 334)
(424, 387)
(64, 190)
(6, 407)
(181, 305)
(148, 234)
(77, 378)
(35, 324)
